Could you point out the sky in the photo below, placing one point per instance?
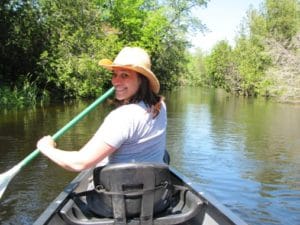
(222, 17)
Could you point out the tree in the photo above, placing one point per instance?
(219, 65)
(252, 61)
(22, 40)
(78, 39)
(282, 18)
(197, 74)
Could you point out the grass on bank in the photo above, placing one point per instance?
(25, 94)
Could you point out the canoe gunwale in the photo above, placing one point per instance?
(61, 199)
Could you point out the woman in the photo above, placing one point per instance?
(135, 131)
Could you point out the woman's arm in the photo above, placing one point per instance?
(89, 155)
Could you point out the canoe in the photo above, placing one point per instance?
(135, 193)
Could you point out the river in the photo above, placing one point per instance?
(244, 152)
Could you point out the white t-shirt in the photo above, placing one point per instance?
(137, 136)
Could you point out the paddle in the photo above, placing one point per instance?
(7, 176)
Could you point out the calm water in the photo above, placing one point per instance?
(244, 152)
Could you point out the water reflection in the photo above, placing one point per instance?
(242, 151)
(39, 183)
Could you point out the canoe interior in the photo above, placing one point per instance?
(193, 207)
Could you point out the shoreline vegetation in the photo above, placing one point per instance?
(50, 49)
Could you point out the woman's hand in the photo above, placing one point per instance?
(88, 156)
(45, 143)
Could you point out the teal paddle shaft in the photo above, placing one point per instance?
(8, 175)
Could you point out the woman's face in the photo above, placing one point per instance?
(126, 83)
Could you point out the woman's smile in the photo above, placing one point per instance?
(126, 83)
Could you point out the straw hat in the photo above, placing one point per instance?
(136, 59)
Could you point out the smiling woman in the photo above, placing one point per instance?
(135, 131)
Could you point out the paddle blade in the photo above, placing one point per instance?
(6, 177)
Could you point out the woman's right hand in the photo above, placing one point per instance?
(45, 143)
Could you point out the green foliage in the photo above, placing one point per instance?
(169, 58)
(158, 27)
(196, 75)
(170, 66)
(79, 39)
(218, 64)
(243, 69)
(24, 93)
(282, 18)
(59, 43)
(52, 47)
(22, 39)
(143, 23)
(257, 26)
(127, 16)
(180, 14)
(276, 19)
(251, 61)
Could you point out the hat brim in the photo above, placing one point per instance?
(154, 83)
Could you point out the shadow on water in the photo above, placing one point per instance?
(242, 151)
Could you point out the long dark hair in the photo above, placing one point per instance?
(145, 94)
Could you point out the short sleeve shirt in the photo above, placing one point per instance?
(137, 136)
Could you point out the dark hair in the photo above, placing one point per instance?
(145, 94)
